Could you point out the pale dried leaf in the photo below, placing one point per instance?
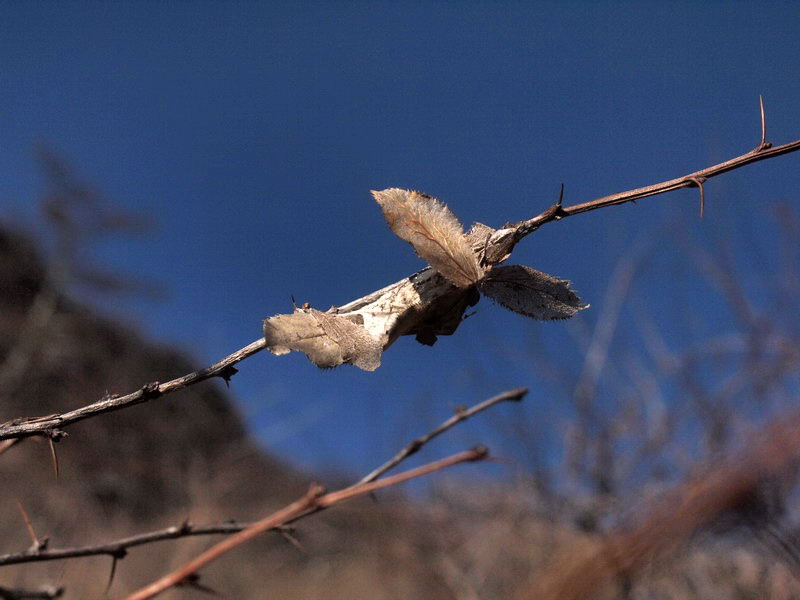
(328, 340)
(479, 235)
(531, 293)
(433, 231)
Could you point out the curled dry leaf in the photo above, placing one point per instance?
(434, 232)
(328, 340)
(531, 293)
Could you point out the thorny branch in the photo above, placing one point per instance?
(117, 549)
(494, 250)
(314, 500)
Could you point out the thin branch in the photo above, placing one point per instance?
(50, 426)
(36, 544)
(315, 499)
(118, 548)
(556, 212)
(413, 447)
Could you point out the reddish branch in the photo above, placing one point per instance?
(118, 549)
(313, 501)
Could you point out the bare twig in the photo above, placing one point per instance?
(514, 395)
(556, 212)
(36, 544)
(50, 426)
(315, 499)
(118, 548)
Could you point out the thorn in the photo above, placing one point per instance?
(286, 533)
(764, 144)
(53, 455)
(111, 574)
(193, 581)
(37, 545)
(698, 182)
(227, 373)
(556, 212)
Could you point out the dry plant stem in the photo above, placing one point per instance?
(314, 500)
(50, 425)
(514, 395)
(556, 212)
(118, 548)
(582, 571)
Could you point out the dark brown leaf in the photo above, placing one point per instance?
(531, 293)
(433, 231)
(328, 340)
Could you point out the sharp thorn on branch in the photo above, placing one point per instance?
(111, 574)
(227, 373)
(53, 455)
(698, 182)
(764, 144)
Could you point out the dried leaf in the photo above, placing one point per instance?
(433, 231)
(479, 235)
(328, 340)
(531, 293)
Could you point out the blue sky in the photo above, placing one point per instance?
(253, 132)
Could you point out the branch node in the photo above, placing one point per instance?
(698, 182)
(150, 390)
(55, 434)
(480, 452)
(414, 447)
(227, 373)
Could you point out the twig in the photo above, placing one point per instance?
(50, 426)
(556, 212)
(118, 548)
(514, 395)
(314, 500)
(36, 544)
